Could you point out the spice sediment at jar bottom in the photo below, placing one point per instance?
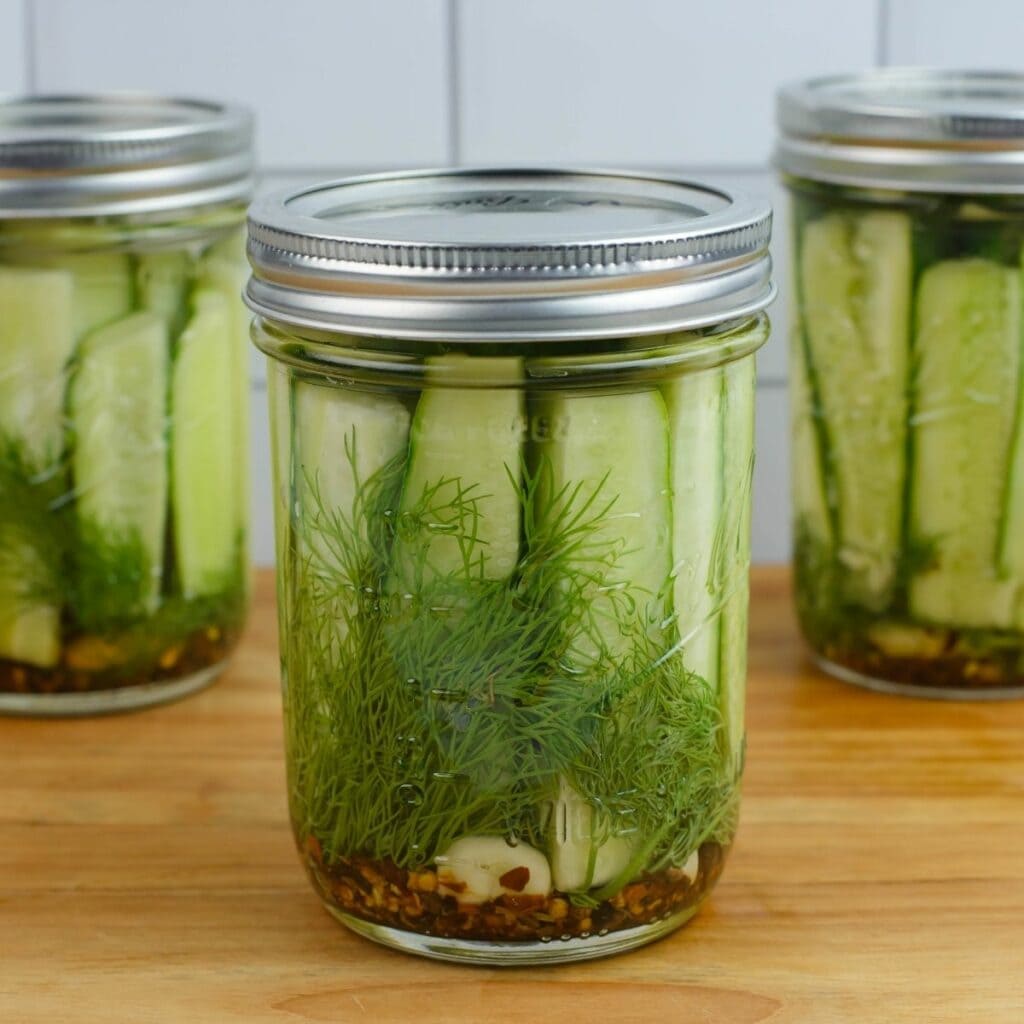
(513, 589)
(123, 420)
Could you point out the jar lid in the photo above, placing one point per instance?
(507, 254)
(75, 156)
(906, 128)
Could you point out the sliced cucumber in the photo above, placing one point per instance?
(810, 501)
(104, 288)
(1011, 538)
(855, 278)
(341, 439)
(280, 402)
(223, 270)
(279, 397)
(578, 860)
(460, 489)
(119, 420)
(732, 552)
(617, 448)
(36, 341)
(162, 283)
(967, 351)
(696, 415)
(204, 448)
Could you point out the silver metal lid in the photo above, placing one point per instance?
(66, 156)
(507, 254)
(906, 128)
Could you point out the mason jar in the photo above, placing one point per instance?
(123, 398)
(512, 418)
(907, 194)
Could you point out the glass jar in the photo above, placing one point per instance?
(123, 399)
(908, 424)
(512, 420)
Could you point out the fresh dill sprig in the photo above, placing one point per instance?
(32, 541)
(423, 705)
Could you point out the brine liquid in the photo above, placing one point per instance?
(513, 628)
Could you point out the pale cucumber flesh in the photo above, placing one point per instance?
(733, 569)
(855, 280)
(104, 283)
(967, 348)
(1011, 539)
(696, 407)
(461, 483)
(37, 338)
(204, 449)
(37, 341)
(119, 421)
(615, 449)
(342, 438)
(223, 271)
(162, 281)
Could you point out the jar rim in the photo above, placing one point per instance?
(508, 254)
(916, 129)
(116, 153)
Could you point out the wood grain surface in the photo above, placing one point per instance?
(147, 872)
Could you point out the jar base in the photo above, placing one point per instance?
(513, 954)
(111, 701)
(879, 685)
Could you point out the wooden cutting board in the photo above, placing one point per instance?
(147, 872)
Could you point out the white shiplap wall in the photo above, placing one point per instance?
(351, 85)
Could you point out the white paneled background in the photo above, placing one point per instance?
(353, 85)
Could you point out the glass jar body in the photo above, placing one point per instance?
(123, 457)
(907, 425)
(513, 604)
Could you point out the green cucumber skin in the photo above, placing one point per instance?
(733, 570)
(469, 438)
(204, 449)
(967, 350)
(855, 280)
(696, 412)
(119, 421)
(37, 340)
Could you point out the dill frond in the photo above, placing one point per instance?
(449, 703)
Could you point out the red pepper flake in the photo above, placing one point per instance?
(515, 879)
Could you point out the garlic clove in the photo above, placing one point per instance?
(478, 869)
